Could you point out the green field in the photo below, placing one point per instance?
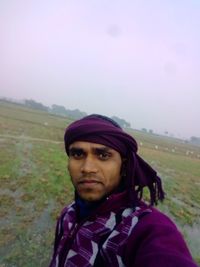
(35, 184)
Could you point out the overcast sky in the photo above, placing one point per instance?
(138, 60)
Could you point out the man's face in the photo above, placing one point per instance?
(94, 169)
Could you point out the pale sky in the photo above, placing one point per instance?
(138, 60)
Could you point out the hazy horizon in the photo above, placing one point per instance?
(137, 60)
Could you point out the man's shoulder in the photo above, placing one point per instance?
(155, 224)
(70, 208)
(156, 236)
(153, 216)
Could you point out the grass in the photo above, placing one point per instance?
(35, 185)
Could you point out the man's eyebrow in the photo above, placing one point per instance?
(75, 149)
(102, 149)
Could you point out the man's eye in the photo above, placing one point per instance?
(76, 155)
(104, 156)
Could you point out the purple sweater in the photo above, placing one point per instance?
(118, 235)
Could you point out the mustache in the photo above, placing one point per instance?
(89, 177)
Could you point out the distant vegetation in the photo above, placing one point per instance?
(35, 105)
(61, 110)
(195, 140)
(121, 122)
(77, 114)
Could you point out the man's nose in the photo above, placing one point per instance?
(89, 166)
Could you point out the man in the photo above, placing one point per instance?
(108, 224)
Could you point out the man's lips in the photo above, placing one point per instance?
(88, 182)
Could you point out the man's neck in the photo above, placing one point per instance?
(86, 208)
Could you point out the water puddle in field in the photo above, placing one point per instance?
(44, 221)
(35, 228)
(191, 206)
(2, 140)
(178, 201)
(24, 151)
(193, 237)
(191, 232)
(15, 194)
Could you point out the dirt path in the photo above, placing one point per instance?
(28, 138)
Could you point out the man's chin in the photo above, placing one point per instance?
(90, 197)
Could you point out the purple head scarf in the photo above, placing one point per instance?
(103, 130)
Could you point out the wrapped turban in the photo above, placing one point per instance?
(103, 130)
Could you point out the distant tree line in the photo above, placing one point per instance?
(77, 114)
(121, 122)
(35, 105)
(147, 131)
(55, 109)
(195, 140)
(62, 111)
